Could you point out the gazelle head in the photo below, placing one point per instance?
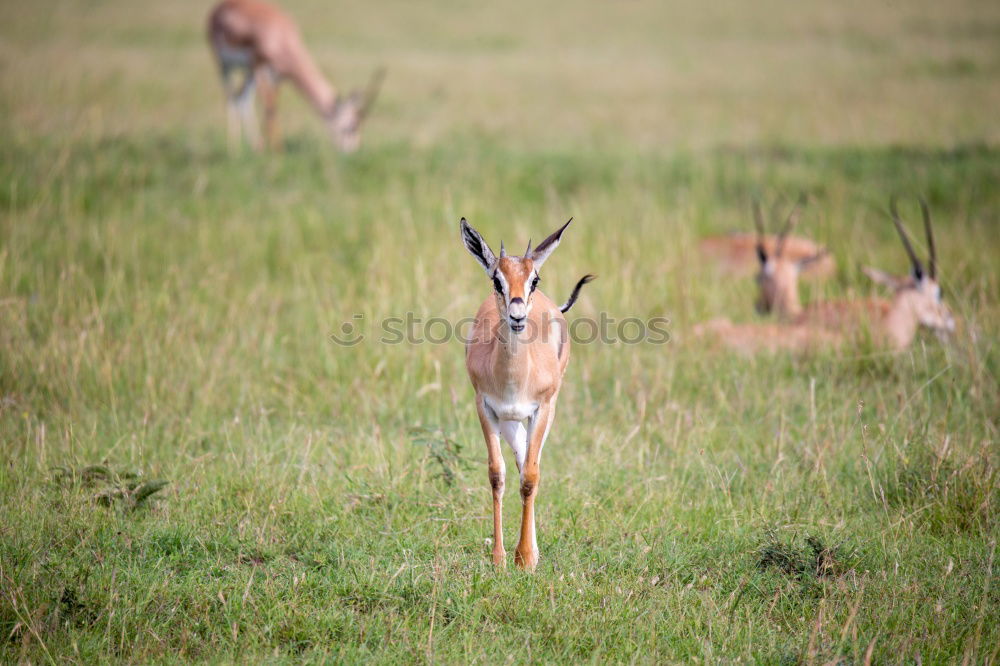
(919, 295)
(778, 277)
(515, 279)
(345, 118)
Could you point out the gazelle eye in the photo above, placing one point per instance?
(534, 283)
(497, 285)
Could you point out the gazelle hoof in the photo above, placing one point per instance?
(500, 558)
(527, 562)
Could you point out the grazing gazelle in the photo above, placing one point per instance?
(516, 358)
(736, 253)
(263, 43)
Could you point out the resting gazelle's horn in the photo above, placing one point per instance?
(758, 221)
(371, 92)
(932, 261)
(918, 268)
(793, 218)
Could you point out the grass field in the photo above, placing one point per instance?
(167, 313)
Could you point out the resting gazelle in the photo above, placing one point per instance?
(916, 302)
(779, 269)
(736, 253)
(777, 279)
(516, 358)
(916, 299)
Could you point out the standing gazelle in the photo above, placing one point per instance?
(516, 358)
(264, 43)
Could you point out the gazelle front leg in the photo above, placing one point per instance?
(232, 110)
(526, 554)
(497, 472)
(244, 102)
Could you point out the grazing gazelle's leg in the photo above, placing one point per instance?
(232, 111)
(497, 473)
(526, 554)
(245, 107)
(267, 81)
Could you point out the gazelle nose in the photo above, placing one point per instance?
(516, 309)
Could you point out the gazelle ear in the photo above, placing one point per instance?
(546, 247)
(477, 247)
(803, 263)
(893, 282)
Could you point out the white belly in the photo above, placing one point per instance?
(511, 410)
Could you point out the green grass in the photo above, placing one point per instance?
(166, 313)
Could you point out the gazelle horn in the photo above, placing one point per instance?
(932, 260)
(758, 221)
(371, 92)
(793, 218)
(918, 268)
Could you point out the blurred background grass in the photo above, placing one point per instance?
(667, 75)
(166, 311)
